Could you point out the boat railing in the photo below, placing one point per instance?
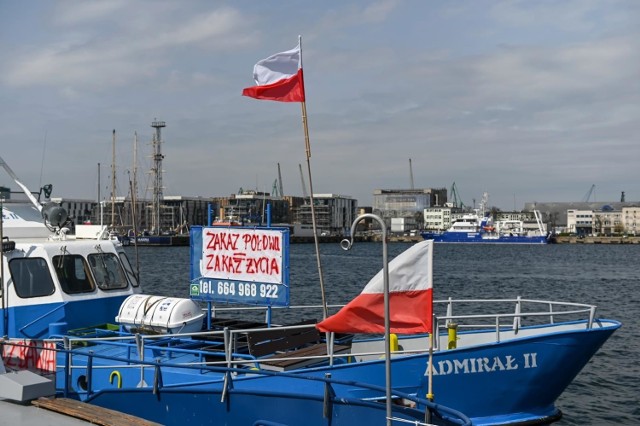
(231, 345)
(336, 391)
(513, 314)
(228, 353)
(544, 312)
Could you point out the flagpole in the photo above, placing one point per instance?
(305, 126)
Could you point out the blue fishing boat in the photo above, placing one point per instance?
(73, 311)
(77, 325)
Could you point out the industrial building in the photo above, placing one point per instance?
(403, 209)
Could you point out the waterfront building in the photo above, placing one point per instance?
(250, 207)
(406, 204)
(438, 218)
(555, 213)
(607, 221)
(177, 213)
(631, 220)
(334, 215)
(580, 222)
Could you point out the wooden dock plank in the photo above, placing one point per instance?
(91, 413)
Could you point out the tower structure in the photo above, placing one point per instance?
(157, 175)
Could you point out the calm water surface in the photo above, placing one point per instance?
(607, 391)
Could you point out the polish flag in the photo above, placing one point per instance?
(410, 298)
(278, 78)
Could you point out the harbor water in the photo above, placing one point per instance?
(607, 391)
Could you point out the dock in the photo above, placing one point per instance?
(90, 413)
(573, 239)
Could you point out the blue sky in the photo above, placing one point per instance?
(526, 100)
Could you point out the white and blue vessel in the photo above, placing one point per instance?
(73, 311)
(477, 228)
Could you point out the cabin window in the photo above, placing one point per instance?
(129, 270)
(31, 277)
(107, 271)
(73, 273)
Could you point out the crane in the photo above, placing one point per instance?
(411, 173)
(304, 186)
(280, 182)
(457, 202)
(585, 199)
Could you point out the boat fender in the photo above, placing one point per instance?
(116, 374)
(453, 335)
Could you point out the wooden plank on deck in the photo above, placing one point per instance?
(91, 413)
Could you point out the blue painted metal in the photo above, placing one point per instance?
(198, 396)
(478, 381)
(50, 319)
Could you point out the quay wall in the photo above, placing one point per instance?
(418, 238)
(597, 240)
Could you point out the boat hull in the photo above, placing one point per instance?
(155, 240)
(511, 382)
(270, 407)
(480, 237)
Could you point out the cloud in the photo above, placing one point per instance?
(69, 13)
(98, 60)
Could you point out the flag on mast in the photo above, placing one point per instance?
(278, 77)
(410, 298)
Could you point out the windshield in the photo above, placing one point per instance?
(107, 271)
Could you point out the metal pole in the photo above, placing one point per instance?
(313, 211)
(113, 181)
(5, 305)
(307, 145)
(346, 245)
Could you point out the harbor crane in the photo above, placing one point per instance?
(411, 174)
(457, 202)
(587, 196)
(280, 186)
(304, 186)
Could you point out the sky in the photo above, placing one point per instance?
(528, 101)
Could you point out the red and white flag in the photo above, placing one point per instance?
(410, 298)
(278, 78)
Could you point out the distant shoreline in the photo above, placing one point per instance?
(597, 240)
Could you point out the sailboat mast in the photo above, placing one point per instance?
(157, 170)
(134, 189)
(113, 180)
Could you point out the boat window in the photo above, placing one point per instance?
(31, 277)
(129, 269)
(73, 273)
(107, 271)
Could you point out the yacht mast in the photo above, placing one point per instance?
(157, 175)
(113, 180)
